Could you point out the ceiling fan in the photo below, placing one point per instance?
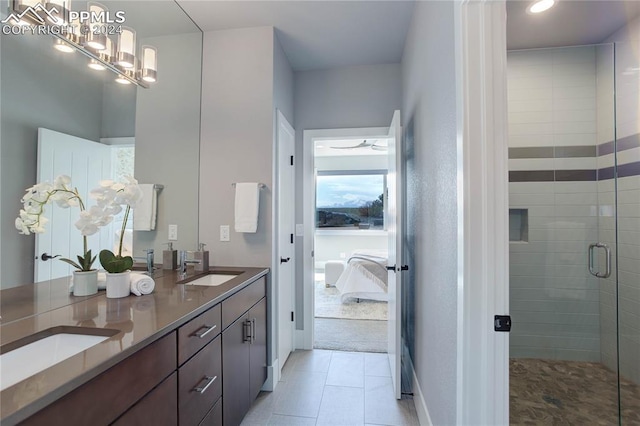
(364, 144)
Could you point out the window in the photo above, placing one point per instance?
(350, 200)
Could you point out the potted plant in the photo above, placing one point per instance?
(110, 197)
(32, 220)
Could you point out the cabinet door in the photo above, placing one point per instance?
(235, 374)
(258, 348)
(159, 407)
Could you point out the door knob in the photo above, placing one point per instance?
(391, 268)
(283, 260)
(45, 256)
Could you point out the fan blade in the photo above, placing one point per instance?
(363, 144)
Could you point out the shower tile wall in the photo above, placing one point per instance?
(554, 302)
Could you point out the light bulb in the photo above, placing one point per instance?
(540, 6)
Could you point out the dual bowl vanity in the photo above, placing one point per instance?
(192, 352)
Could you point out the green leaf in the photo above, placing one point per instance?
(72, 263)
(115, 264)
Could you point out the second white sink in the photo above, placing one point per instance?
(212, 279)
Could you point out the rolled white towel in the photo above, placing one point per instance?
(141, 284)
(102, 281)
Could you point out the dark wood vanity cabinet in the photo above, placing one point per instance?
(244, 353)
(207, 372)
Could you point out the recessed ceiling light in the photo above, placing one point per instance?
(540, 6)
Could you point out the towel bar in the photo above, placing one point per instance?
(260, 185)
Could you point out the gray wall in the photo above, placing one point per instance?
(359, 96)
(236, 140)
(167, 141)
(429, 95)
(282, 83)
(38, 89)
(118, 110)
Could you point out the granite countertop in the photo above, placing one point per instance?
(138, 321)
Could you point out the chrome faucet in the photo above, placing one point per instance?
(184, 262)
(149, 260)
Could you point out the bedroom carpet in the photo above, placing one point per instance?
(350, 335)
(328, 305)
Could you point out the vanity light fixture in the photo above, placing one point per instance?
(61, 14)
(117, 54)
(126, 48)
(149, 63)
(95, 37)
(540, 6)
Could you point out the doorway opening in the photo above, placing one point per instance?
(350, 244)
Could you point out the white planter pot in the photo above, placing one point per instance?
(118, 285)
(85, 283)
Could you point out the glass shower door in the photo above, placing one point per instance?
(627, 158)
(562, 199)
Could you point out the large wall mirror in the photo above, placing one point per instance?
(152, 132)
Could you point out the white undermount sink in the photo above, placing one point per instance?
(212, 280)
(42, 350)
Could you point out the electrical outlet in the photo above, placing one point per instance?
(224, 232)
(343, 255)
(173, 233)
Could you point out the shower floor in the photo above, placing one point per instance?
(550, 392)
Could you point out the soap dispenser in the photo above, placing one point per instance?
(203, 256)
(170, 258)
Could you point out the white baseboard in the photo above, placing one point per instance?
(273, 377)
(301, 341)
(418, 397)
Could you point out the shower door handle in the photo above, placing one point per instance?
(607, 252)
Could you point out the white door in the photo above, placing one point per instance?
(285, 264)
(86, 162)
(394, 232)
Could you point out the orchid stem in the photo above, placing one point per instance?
(124, 225)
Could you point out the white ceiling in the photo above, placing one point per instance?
(568, 23)
(329, 34)
(317, 34)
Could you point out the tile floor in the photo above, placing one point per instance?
(323, 387)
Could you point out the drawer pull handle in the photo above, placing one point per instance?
(204, 384)
(204, 330)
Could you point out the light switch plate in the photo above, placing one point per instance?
(224, 232)
(299, 230)
(173, 233)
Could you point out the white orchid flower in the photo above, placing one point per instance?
(21, 227)
(62, 182)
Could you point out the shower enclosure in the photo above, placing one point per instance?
(574, 230)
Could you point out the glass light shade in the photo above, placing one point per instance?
(19, 6)
(126, 48)
(95, 39)
(149, 63)
(62, 46)
(62, 7)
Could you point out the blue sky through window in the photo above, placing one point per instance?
(348, 190)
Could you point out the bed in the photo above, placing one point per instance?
(365, 276)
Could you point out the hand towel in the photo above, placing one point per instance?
(102, 282)
(247, 207)
(141, 283)
(144, 215)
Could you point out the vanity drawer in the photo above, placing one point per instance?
(195, 334)
(200, 384)
(242, 301)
